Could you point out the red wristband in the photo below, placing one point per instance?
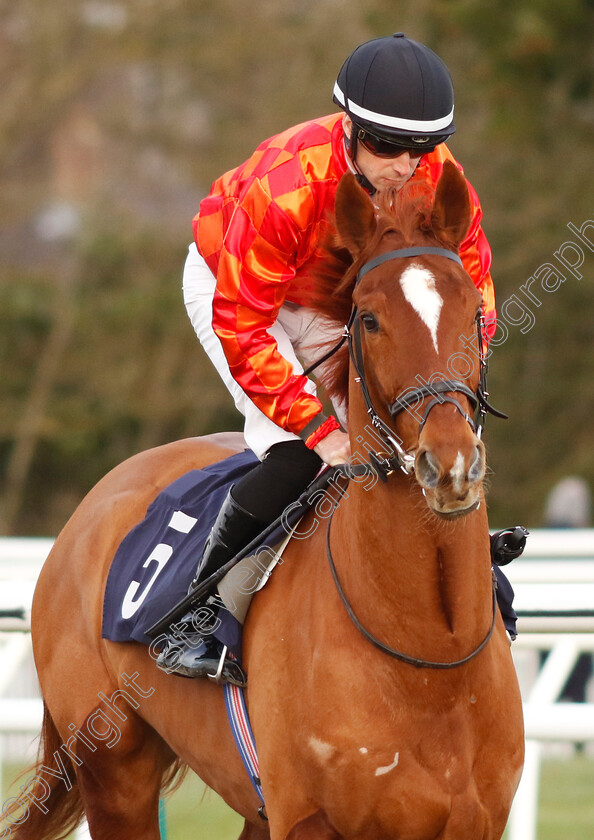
(329, 425)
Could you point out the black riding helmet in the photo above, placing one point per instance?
(399, 91)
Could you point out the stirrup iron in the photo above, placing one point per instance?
(217, 677)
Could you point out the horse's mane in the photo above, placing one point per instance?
(406, 213)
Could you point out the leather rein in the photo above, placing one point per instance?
(395, 456)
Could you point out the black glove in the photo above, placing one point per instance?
(508, 544)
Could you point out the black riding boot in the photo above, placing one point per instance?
(190, 649)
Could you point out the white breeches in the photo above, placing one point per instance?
(297, 330)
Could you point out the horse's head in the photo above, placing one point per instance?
(415, 358)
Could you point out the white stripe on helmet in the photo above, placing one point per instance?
(422, 126)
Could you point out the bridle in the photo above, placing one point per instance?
(385, 463)
(394, 456)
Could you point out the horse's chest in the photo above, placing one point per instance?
(393, 793)
(388, 778)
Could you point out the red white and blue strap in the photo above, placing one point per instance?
(243, 735)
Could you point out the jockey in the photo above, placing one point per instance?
(246, 280)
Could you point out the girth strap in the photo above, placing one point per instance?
(244, 737)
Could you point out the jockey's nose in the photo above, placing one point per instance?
(402, 164)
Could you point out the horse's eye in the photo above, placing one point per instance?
(369, 321)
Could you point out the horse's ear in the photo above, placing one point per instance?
(450, 216)
(355, 215)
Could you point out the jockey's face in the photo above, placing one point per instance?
(384, 173)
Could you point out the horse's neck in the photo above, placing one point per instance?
(404, 567)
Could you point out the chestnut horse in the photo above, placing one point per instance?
(354, 741)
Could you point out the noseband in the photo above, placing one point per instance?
(395, 455)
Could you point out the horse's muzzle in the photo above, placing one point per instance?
(451, 481)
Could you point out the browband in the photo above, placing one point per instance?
(406, 252)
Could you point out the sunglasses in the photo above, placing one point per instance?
(386, 149)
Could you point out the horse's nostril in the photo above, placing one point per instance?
(477, 468)
(427, 469)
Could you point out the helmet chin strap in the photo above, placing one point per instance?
(367, 185)
(350, 144)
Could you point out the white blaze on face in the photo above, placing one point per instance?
(458, 473)
(418, 285)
